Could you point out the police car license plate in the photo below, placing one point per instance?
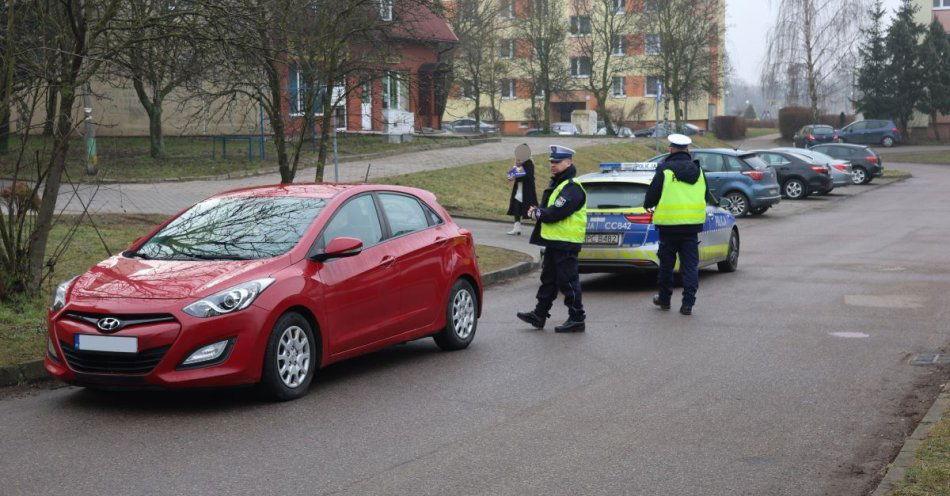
(603, 239)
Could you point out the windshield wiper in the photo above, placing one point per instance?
(609, 205)
(130, 254)
(202, 256)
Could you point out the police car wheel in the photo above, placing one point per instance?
(461, 318)
(738, 204)
(731, 263)
(290, 359)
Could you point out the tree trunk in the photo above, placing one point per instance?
(50, 111)
(933, 120)
(4, 121)
(547, 111)
(155, 136)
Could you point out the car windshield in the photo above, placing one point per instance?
(824, 130)
(818, 157)
(234, 229)
(755, 162)
(615, 195)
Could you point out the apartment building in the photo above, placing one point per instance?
(632, 94)
(927, 11)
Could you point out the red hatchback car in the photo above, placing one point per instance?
(265, 285)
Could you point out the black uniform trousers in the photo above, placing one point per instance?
(687, 246)
(559, 273)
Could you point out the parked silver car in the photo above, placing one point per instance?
(467, 126)
(565, 129)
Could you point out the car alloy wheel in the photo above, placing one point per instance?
(293, 356)
(859, 175)
(794, 189)
(731, 263)
(738, 204)
(461, 314)
(888, 141)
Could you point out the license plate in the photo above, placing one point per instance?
(113, 344)
(603, 239)
(773, 191)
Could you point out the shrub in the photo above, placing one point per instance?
(791, 119)
(729, 127)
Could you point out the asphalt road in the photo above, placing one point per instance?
(757, 393)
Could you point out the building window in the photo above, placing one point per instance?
(395, 91)
(386, 9)
(580, 25)
(652, 86)
(618, 86)
(508, 88)
(507, 9)
(580, 67)
(653, 44)
(506, 49)
(946, 4)
(618, 45)
(620, 6)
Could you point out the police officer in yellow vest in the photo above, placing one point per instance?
(677, 196)
(560, 227)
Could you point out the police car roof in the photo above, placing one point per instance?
(639, 177)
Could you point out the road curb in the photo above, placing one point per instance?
(23, 373)
(501, 275)
(898, 467)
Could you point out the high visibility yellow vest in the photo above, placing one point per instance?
(680, 202)
(573, 228)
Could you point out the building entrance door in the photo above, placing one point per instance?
(366, 106)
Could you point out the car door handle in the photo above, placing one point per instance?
(440, 240)
(387, 261)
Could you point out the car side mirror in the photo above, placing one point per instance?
(340, 248)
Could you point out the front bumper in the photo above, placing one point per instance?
(162, 346)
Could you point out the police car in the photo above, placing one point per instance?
(620, 232)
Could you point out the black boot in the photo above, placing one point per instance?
(570, 326)
(686, 309)
(657, 302)
(532, 318)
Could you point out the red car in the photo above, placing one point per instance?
(265, 285)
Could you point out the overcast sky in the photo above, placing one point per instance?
(747, 22)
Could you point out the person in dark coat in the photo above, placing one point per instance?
(679, 212)
(561, 225)
(523, 194)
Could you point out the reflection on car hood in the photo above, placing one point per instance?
(121, 277)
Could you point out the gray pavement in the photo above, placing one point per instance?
(168, 198)
(791, 378)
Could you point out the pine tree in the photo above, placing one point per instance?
(874, 98)
(904, 70)
(935, 77)
(749, 113)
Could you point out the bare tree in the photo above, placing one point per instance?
(683, 47)
(608, 47)
(809, 45)
(544, 64)
(157, 51)
(478, 25)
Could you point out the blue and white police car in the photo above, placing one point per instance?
(620, 232)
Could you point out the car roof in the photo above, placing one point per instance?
(840, 145)
(723, 151)
(323, 191)
(634, 177)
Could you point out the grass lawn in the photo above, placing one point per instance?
(127, 158)
(896, 173)
(481, 190)
(755, 132)
(929, 475)
(23, 321)
(937, 157)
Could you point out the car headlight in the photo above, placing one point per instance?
(230, 300)
(59, 297)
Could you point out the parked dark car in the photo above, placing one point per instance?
(798, 175)
(813, 134)
(747, 183)
(871, 132)
(467, 126)
(866, 164)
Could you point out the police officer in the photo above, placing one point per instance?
(677, 196)
(560, 227)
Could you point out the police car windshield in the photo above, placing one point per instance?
(615, 195)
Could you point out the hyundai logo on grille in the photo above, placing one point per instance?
(109, 324)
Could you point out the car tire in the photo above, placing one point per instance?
(794, 189)
(887, 142)
(859, 175)
(759, 210)
(731, 263)
(290, 359)
(738, 203)
(461, 318)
